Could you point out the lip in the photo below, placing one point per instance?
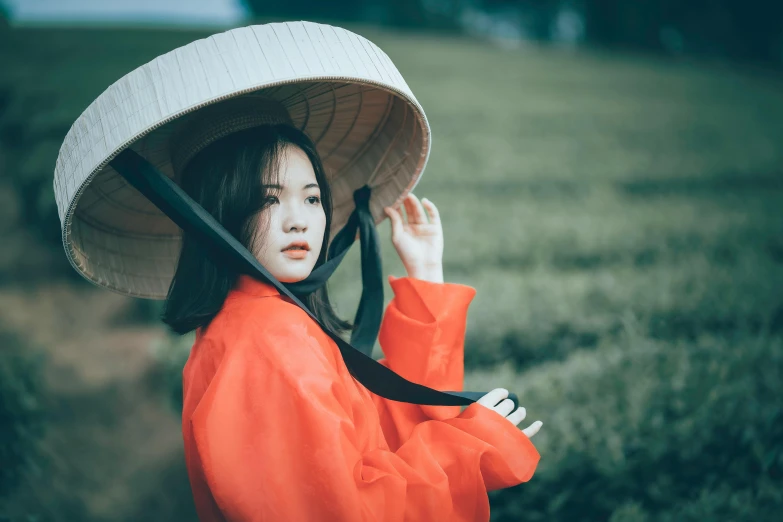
(301, 244)
(296, 254)
(300, 252)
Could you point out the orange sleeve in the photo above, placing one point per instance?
(278, 441)
(422, 336)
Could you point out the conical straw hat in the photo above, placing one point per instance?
(338, 87)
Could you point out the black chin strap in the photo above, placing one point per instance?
(377, 378)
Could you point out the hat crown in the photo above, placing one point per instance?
(217, 121)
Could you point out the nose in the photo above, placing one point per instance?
(294, 219)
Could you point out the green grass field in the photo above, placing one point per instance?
(622, 220)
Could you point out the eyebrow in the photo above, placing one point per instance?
(279, 187)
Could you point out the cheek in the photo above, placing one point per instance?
(319, 227)
(321, 222)
(264, 231)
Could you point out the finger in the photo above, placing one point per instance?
(532, 429)
(432, 211)
(505, 407)
(492, 398)
(396, 221)
(415, 210)
(518, 416)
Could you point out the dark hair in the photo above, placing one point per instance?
(226, 179)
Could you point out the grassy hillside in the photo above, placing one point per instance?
(621, 218)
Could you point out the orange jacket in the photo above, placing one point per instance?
(276, 428)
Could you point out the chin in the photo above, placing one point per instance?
(292, 276)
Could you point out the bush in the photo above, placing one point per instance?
(652, 430)
(172, 353)
(21, 412)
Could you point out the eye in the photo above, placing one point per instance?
(269, 200)
(315, 200)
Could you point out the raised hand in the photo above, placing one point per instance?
(418, 242)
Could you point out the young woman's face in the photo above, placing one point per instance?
(293, 215)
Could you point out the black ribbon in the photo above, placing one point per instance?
(190, 216)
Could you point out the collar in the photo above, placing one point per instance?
(251, 286)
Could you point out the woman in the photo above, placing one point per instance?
(210, 163)
(274, 426)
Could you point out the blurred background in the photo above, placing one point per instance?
(610, 177)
